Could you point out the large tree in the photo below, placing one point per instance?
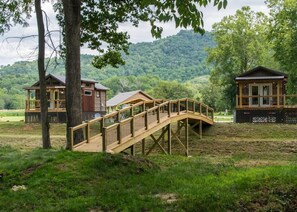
(241, 45)
(18, 12)
(283, 34)
(96, 23)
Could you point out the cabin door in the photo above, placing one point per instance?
(88, 101)
(260, 95)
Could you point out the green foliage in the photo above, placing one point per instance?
(14, 12)
(283, 34)
(100, 22)
(241, 45)
(171, 90)
(180, 57)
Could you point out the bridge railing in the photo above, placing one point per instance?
(125, 123)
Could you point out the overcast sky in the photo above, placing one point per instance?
(11, 51)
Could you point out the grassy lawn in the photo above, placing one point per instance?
(12, 115)
(235, 167)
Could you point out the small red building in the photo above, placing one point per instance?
(93, 99)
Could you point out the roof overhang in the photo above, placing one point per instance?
(260, 78)
(48, 87)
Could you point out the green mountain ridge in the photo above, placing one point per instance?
(180, 57)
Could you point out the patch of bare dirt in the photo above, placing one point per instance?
(31, 169)
(167, 197)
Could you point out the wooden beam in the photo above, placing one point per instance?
(132, 127)
(163, 138)
(88, 132)
(146, 120)
(240, 95)
(119, 133)
(143, 146)
(187, 136)
(104, 139)
(133, 150)
(177, 138)
(169, 138)
(156, 142)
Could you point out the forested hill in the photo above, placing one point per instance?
(179, 57)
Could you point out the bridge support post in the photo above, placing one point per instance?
(163, 138)
(143, 146)
(187, 136)
(169, 138)
(133, 150)
(200, 129)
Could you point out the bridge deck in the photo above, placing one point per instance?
(129, 131)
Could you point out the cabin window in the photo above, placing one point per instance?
(97, 94)
(88, 85)
(88, 93)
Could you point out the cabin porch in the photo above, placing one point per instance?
(55, 96)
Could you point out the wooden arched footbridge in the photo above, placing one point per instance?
(122, 129)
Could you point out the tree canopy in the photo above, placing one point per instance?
(283, 34)
(241, 45)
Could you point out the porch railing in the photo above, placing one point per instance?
(271, 101)
(53, 105)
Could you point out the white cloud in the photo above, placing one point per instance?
(9, 54)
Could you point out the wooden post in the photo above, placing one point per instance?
(194, 103)
(119, 134)
(146, 120)
(88, 132)
(71, 139)
(169, 138)
(28, 101)
(278, 94)
(163, 138)
(187, 105)
(240, 95)
(200, 108)
(119, 116)
(158, 114)
(143, 146)
(102, 125)
(169, 108)
(143, 107)
(104, 139)
(133, 126)
(178, 107)
(133, 150)
(132, 111)
(206, 111)
(200, 129)
(187, 136)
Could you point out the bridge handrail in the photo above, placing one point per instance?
(172, 105)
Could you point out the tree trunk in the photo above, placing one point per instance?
(46, 143)
(73, 79)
